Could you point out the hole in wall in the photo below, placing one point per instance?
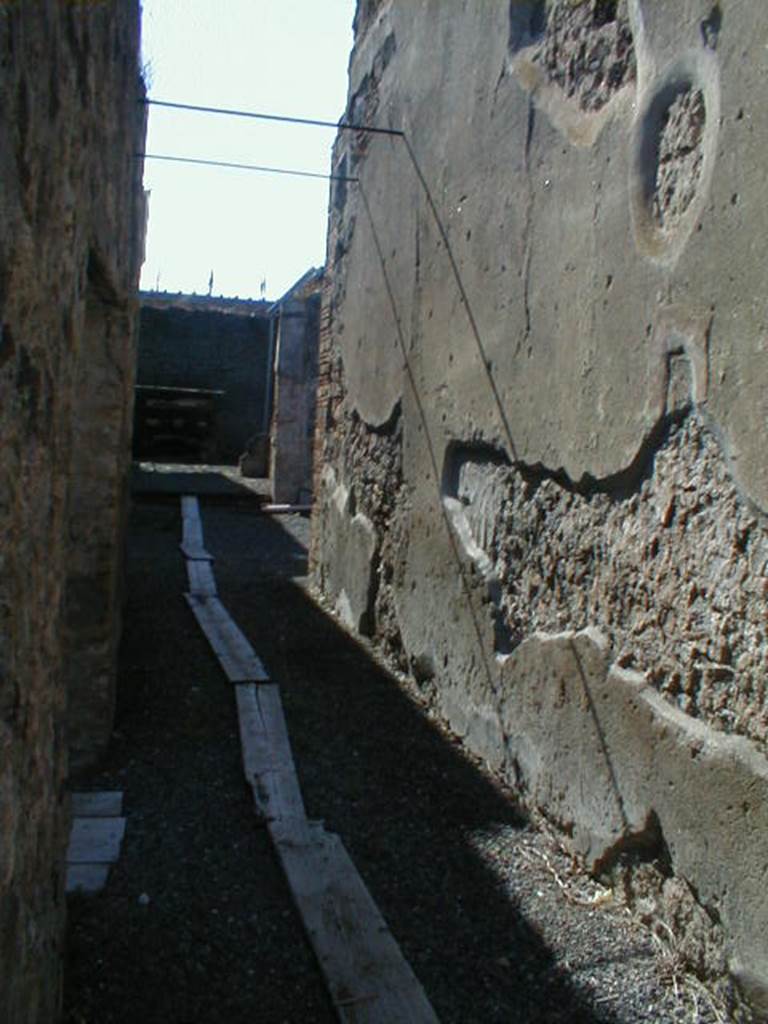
(711, 26)
(605, 11)
(466, 466)
(673, 153)
(100, 282)
(527, 23)
(587, 49)
(679, 382)
(680, 157)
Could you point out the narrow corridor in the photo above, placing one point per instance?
(196, 925)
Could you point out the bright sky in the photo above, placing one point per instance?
(272, 56)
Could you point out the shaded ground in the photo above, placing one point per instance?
(467, 887)
(161, 479)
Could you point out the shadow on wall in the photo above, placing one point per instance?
(422, 824)
(169, 481)
(432, 836)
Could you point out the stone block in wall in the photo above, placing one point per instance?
(624, 772)
(350, 566)
(295, 386)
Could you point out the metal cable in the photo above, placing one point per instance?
(243, 167)
(338, 126)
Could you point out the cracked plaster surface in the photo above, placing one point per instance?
(573, 294)
(573, 399)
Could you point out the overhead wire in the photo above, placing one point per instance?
(432, 454)
(345, 126)
(474, 329)
(244, 167)
(284, 119)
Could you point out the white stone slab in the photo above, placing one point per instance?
(236, 656)
(95, 840)
(97, 805)
(86, 877)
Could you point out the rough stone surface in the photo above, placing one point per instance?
(372, 460)
(674, 574)
(71, 219)
(543, 308)
(680, 157)
(595, 744)
(586, 48)
(349, 577)
(97, 506)
(295, 391)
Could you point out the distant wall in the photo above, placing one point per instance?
(71, 224)
(542, 483)
(292, 428)
(213, 348)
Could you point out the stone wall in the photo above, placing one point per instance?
(97, 505)
(216, 345)
(292, 427)
(69, 250)
(542, 484)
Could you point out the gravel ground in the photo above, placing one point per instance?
(490, 913)
(218, 940)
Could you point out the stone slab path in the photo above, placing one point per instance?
(196, 924)
(95, 839)
(368, 979)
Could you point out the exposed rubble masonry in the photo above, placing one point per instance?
(542, 485)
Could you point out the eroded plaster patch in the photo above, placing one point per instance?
(675, 575)
(575, 57)
(673, 153)
(587, 50)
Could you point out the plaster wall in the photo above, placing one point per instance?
(543, 386)
(71, 123)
